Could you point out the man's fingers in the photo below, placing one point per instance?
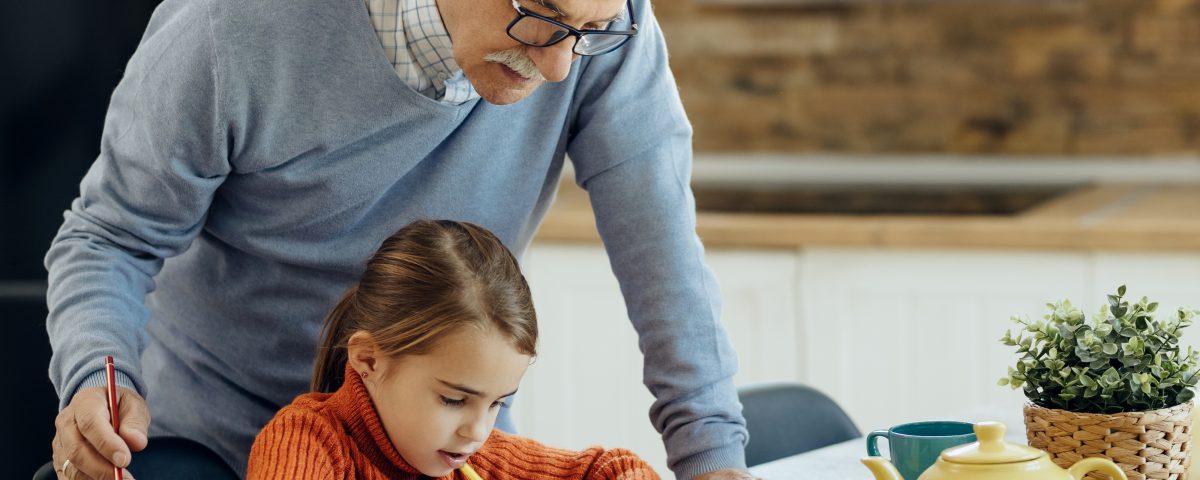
(95, 425)
(135, 418)
(728, 474)
(55, 458)
(72, 472)
(90, 407)
(74, 458)
(84, 439)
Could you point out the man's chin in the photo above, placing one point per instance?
(502, 89)
(506, 94)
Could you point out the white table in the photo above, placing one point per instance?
(837, 461)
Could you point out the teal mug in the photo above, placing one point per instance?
(916, 446)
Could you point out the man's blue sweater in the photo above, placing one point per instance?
(256, 153)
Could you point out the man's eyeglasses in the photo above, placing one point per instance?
(538, 31)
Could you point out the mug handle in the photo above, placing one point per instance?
(1102, 465)
(873, 440)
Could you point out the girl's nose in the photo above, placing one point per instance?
(477, 427)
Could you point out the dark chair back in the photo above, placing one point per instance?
(785, 419)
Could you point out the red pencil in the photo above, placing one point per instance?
(110, 372)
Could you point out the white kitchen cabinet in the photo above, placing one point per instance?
(1171, 279)
(899, 335)
(893, 335)
(905, 335)
(586, 386)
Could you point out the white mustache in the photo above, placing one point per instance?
(518, 61)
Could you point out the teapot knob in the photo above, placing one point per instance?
(990, 435)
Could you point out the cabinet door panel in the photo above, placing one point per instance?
(585, 387)
(903, 335)
(1172, 279)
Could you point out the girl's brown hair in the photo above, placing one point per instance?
(427, 280)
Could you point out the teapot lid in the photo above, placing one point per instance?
(991, 448)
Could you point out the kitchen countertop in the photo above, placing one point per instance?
(1142, 216)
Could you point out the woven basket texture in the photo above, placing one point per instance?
(1147, 445)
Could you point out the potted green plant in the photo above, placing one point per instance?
(1119, 386)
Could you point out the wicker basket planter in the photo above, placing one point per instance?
(1146, 445)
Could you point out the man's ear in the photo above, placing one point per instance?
(362, 353)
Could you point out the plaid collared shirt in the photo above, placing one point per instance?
(416, 42)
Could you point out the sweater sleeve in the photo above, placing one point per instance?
(620, 464)
(298, 444)
(508, 457)
(162, 157)
(632, 152)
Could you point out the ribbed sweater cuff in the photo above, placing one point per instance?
(97, 379)
(730, 456)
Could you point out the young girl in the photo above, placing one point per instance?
(420, 356)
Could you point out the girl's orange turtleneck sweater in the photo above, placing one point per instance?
(338, 436)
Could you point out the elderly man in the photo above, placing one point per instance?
(256, 153)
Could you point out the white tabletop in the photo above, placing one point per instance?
(838, 461)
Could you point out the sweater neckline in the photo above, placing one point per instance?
(353, 404)
(377, 64)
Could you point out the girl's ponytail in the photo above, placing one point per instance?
(330, 368)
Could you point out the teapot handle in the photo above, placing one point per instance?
(1103, 465)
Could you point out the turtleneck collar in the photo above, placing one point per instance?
(353, 405)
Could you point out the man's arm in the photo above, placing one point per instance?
(631, 146)
(144, 199)
(162, 156)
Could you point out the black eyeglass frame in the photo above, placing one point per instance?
(572, 31)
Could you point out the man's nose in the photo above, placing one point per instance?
(554, 62)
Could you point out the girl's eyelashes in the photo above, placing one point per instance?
(452, 402)
(458, 402)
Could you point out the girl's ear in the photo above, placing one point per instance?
(362, 353)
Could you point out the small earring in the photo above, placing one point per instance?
(364, 375)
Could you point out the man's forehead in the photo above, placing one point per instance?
(577, 8)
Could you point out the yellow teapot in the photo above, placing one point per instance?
(991, 458)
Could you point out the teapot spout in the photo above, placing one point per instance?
(881, 468)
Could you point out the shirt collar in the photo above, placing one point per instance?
(430, 47)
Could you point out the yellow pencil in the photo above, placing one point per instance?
(470, 472)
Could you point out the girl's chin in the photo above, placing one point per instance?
(436, 472)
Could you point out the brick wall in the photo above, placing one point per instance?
(986, 76)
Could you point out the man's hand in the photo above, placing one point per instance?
(84, 440)
(728, 474)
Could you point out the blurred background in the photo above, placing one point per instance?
(1044, 77)
(881, 184)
